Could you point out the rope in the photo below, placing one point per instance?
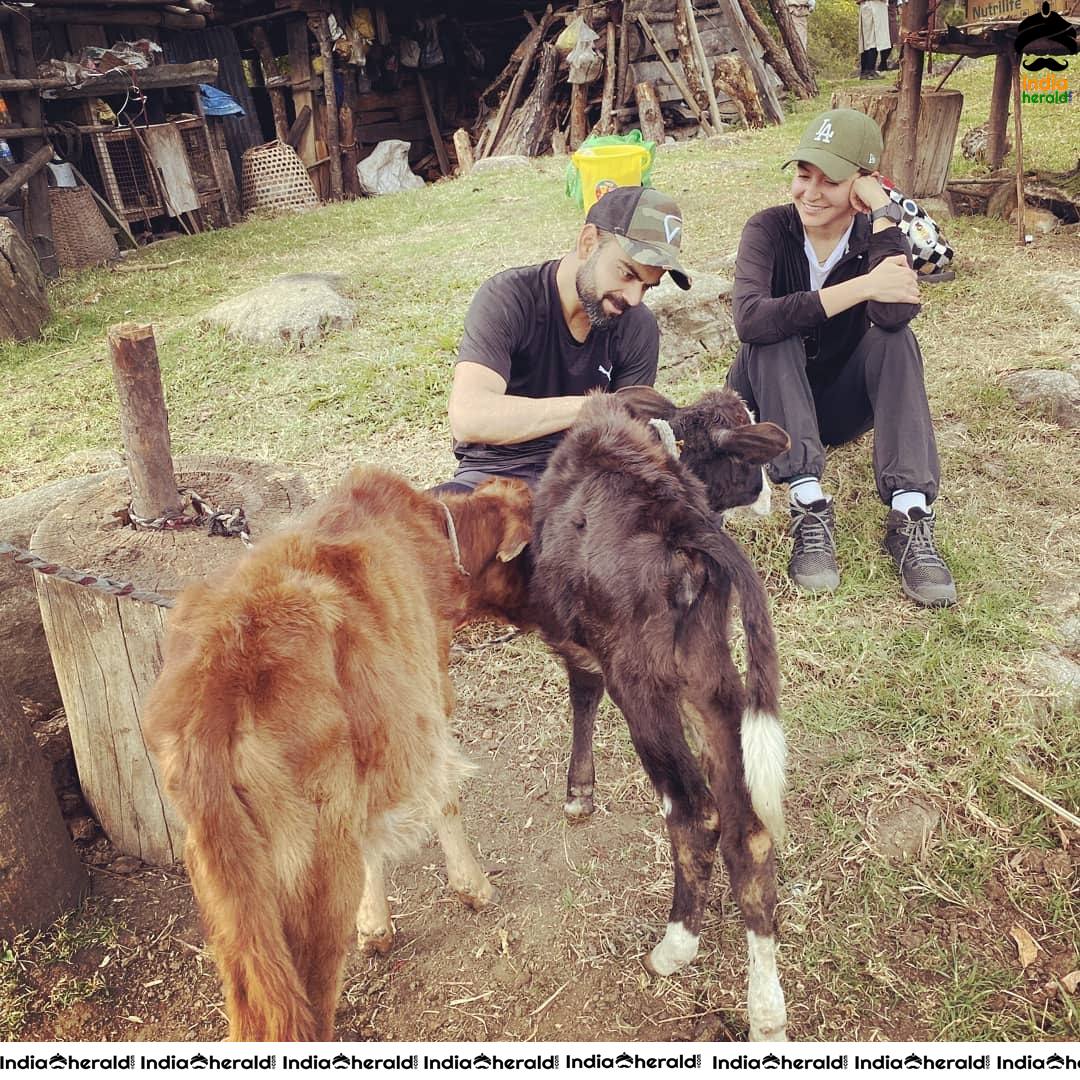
(83, 577)
(218, 522)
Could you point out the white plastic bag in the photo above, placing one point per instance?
(386, 169)
(585, 62)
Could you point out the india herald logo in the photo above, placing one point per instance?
(825, 132)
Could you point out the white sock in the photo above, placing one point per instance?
(805, 490)
(906, 501)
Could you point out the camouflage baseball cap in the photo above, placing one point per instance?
(840, 142)
(648, 225)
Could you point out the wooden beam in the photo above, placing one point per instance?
(277, 95)
(703, 64)
(39, 226)
(999, 110)
(128, 17)
(676, 78)
(650, 118)
(906, 124)
(296, 34)
(119, 82)
(24, 171)
(433, 126)
(607, 99)
(320, 27)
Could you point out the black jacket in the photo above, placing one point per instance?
(772, 297)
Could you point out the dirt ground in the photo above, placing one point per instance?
(559, 958)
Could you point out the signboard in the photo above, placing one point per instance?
(1009, 10)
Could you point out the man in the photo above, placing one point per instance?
(538, 337)
(824, 292)
(874, 40)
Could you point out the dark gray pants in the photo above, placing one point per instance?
(880, 387)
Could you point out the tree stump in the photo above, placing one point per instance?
(650, 118)
(106, 650)
(939, 121)
(40, 873)
(24, 307)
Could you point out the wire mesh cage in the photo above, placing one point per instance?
(273, 178)
(80, 233)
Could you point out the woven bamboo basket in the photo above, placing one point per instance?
(81, 234)
(273, 178)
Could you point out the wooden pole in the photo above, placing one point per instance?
(622, 90)
(296, 35)
(793, 42)
(743, 42)
(1018, 138)
(510, 98)
(695, 80)
(703, 64)
(999, 109)
(463, 148)
(433, 125)
(144, 420)
(277, 95)
(579, 98)
(776, 57)
(350, 151)
(673, 73)
(142, 17)
(320, 27)
(906, 124)
(649, 115)
(607, 100)
(24, 171)
(39, 229)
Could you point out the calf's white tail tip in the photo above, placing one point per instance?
(764, 753)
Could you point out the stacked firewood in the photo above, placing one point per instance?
(535, 104)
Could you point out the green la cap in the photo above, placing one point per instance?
(648, 225)
(840, 142)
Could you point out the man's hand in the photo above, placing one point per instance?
(892, 281)
(867, 194)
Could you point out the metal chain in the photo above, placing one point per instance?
(82, 577)
(219, 523)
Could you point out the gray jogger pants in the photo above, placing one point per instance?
(880, 387)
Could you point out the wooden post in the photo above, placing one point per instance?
(907, 109)
(320, 27)
(737, 21)
(673, 72)
(24, 304)
(39, 226)
(703, 64)
(463, 149)
(300, 79)
(41, 876)
(579, 97)
(622, 89)
(277, 95)
(433, 125)
(649, 114)
(999, 109)
(776, 57)
(688, 56)
(793, 42)
(1018, 138)
(144, 421)
(350, 152)
(607, 100)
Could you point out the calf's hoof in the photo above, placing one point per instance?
(479, 899)
(775, 1031)
(578, 807)
(375, 943)
(675, 951)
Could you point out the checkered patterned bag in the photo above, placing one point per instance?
(930, 250)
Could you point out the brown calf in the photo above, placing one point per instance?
(300, 722)
(632, 582)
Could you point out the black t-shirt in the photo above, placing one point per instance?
(515, 326)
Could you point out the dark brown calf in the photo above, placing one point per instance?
(632, 583)
(300, 722)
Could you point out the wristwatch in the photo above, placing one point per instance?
(890, 210)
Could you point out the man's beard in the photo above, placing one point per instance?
(591, 301)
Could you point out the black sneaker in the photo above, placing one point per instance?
(923, 573)
(813, 558)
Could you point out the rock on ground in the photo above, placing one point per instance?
(1055, 394)
(694, 323)
(295, 308)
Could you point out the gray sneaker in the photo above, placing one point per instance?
(813, 558)
(923, 573)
